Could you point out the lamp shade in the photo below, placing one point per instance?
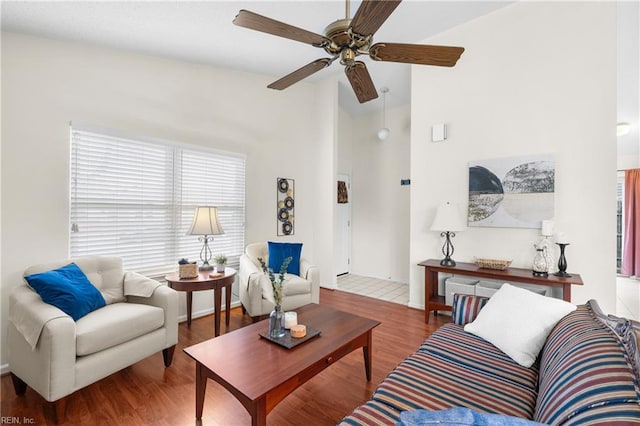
(205, 222)
(448, 218)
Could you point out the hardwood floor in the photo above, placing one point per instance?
(148, 394)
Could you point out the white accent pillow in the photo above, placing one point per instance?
(518, 321)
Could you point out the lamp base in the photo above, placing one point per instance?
(205, 267)
(447, 261)
(540, 274)
(562, 274)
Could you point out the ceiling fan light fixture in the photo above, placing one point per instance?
(384, 133)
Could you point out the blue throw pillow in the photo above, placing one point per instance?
(459, 416)
(68, 289)
(278, 252)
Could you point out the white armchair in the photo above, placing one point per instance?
(56, 356)
(256, 293)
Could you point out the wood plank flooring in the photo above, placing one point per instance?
(148, 394)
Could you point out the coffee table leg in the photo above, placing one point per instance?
(189, 304)
(201, 388)
(259, 413)
(366, 352)
(217, 305)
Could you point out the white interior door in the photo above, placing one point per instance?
(343, 230)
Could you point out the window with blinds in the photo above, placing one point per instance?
(135, 199)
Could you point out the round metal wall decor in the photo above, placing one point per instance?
(283, 215)
(288, 203)
(285, 206)
(287, 228)
(283, 185)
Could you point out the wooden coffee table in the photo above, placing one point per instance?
(240, 361)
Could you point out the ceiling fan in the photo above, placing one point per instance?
(348, 38)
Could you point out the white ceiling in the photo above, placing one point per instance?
(202, 32)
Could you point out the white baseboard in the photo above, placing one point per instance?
(4, 369)
(329, 286)
(204, 312)
(416, 305)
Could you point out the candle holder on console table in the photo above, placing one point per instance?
(562, 262)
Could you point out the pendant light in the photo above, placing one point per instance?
(384, 132)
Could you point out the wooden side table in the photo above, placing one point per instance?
(206, 280)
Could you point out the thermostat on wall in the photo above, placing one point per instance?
(439, 132)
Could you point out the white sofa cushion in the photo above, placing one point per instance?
(518, 321)
(115, 324)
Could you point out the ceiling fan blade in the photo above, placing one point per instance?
(253, 21)
(371, 15)
(422, 54)
(300, 74)
(361, 82)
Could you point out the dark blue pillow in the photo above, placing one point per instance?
(278, 252)
(68, 289)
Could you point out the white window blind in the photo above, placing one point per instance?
(135, 199)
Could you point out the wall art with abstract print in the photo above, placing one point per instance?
(516, 192)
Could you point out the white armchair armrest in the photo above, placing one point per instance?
(29, 314)
(310, 272)
(54, 358)
(251, 285)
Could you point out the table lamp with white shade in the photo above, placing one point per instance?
(205, 223)
(448, 221)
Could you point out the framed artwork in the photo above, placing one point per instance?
(343, 194)
(285, 206)
(516, 192)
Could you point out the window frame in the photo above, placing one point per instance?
(184, 197)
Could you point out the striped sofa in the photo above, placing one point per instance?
(587, 373)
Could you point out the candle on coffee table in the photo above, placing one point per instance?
(298, 331)
(290, 319)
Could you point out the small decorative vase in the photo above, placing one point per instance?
(540, 265)
(220, 267)
(276, 323)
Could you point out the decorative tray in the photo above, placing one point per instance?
(291, 342)
(498, 264)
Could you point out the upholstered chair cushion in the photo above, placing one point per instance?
(115, 324)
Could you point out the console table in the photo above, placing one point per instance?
(434, 302)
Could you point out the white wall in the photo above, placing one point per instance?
(46, 84)
(323, 163)
(536, 77)
(628, 82)
(380, 206)
(345, 142)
